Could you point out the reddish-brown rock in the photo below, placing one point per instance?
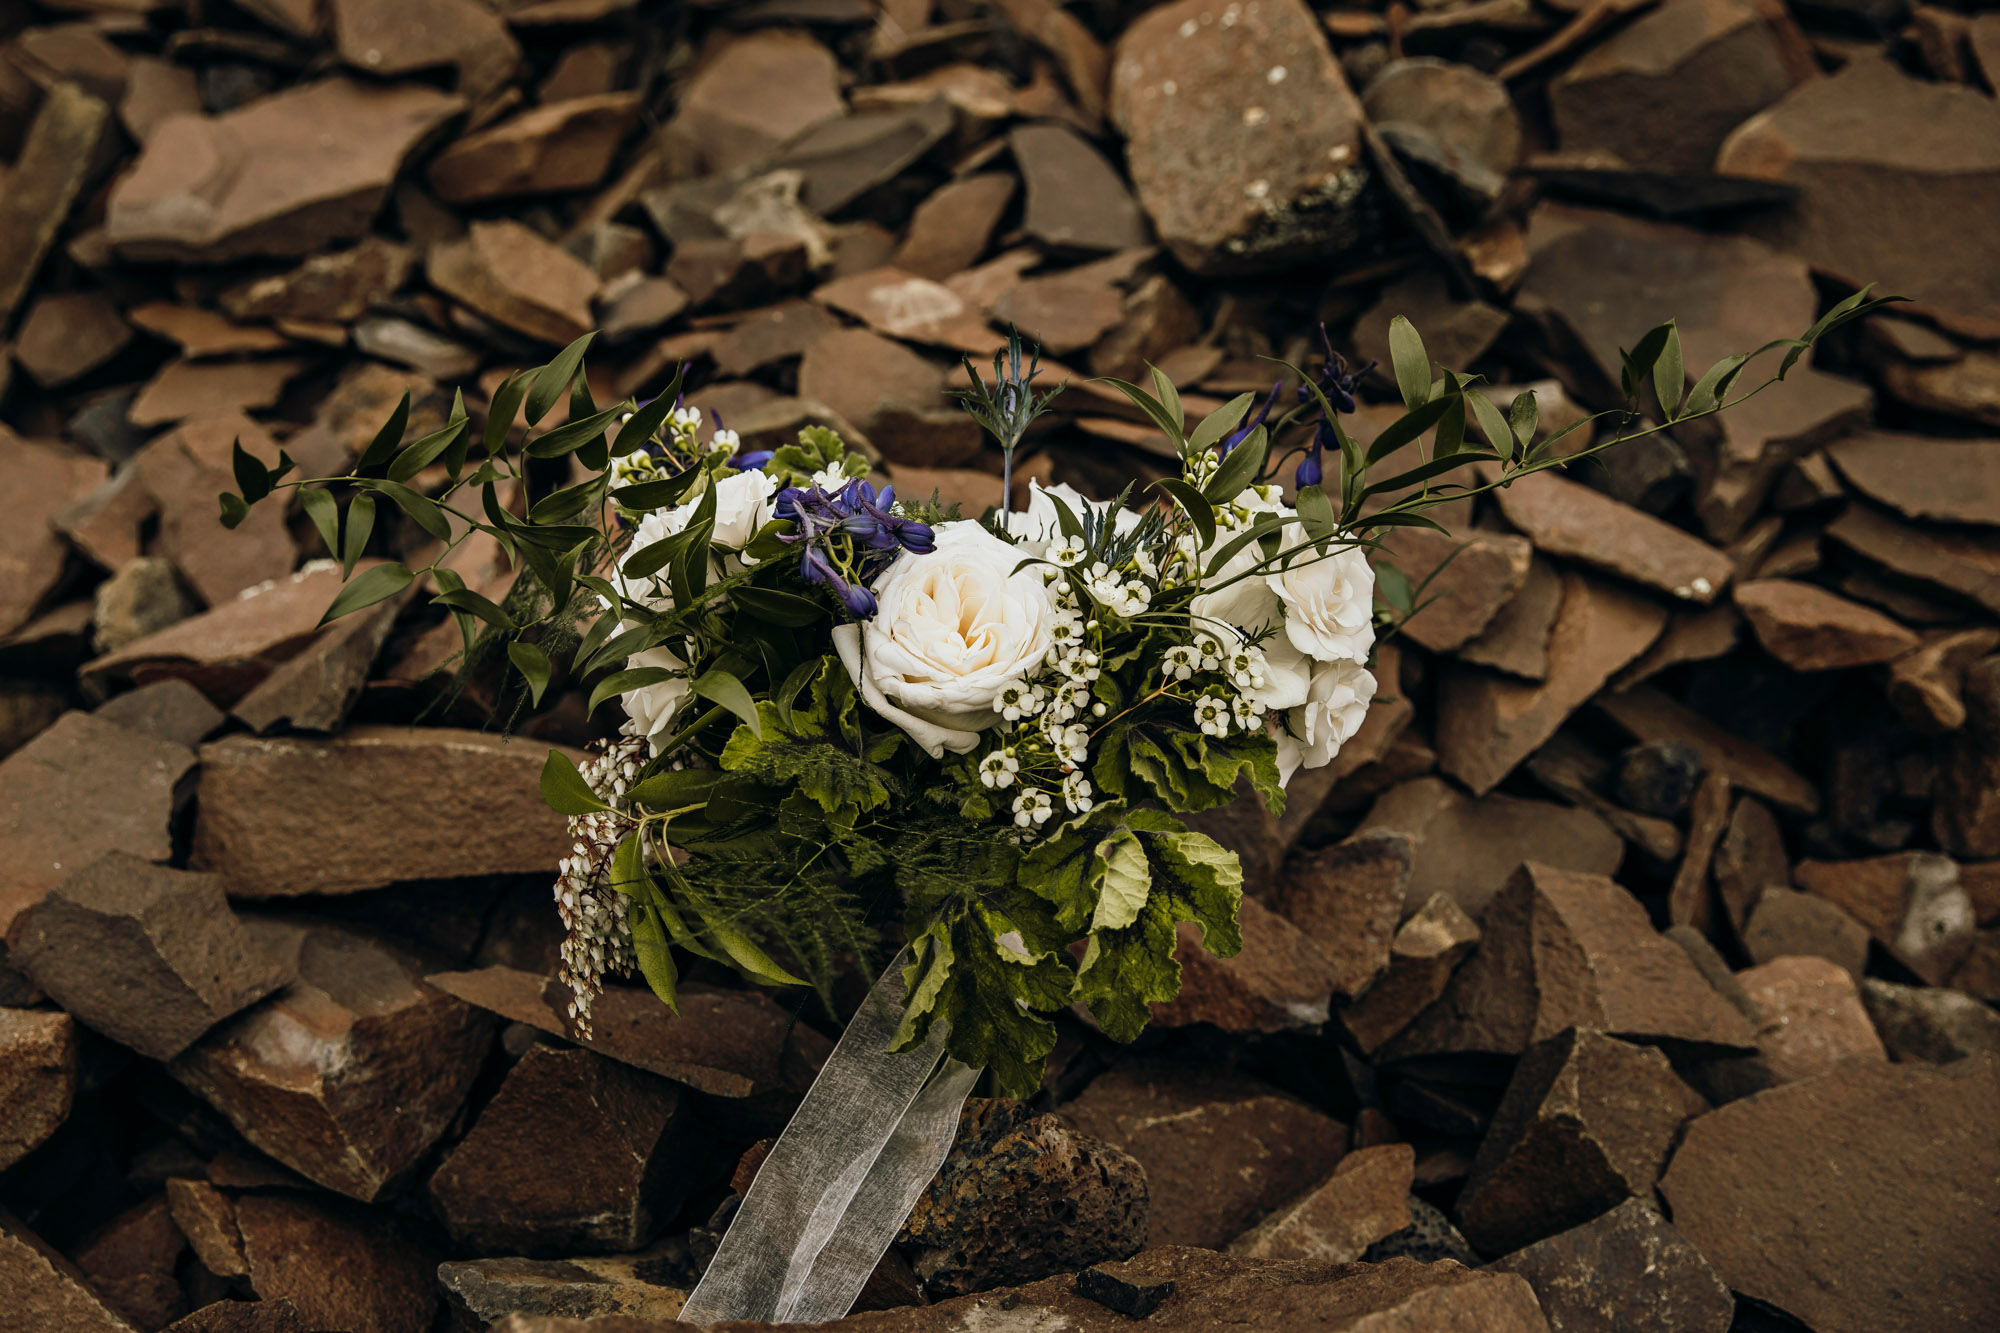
(1963, 561)
(1912, 903)
(950, 230)
(1587, 1123)
(1648, 715)
(1365, 1199)
(131, 1259)
(55, 161)
(1561, 949)
(1785, 923)
(148, 956)
(46, 1291)
(185, 389)
(1966, 817)
(44, 480)
(391, 37)
(80, 790)
(1629, 1268)
(1278, 980)
(1426, 949)
(1864, 1202)
(387, 805)
(1927, 687)
(66, 335)
(338, 1265)
(902, 305)
(556, 148)
(337, 286)
(633, 1143)
(1942, 481)
(1567, 518)
(1347, 899)
(184, 471)
(753, 94)
(1810, 629)
(37, 1078)
(1243, 140)
(1487, 724)
(282, 175)
(514, 277)
(1811, 1020)
(1516, 640)
(1076, 200)
(350, 1073)
(1463, 596)
(1220, 1151)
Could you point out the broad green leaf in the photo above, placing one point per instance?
(1669, 379)
(649, 949)
(1152, 407)
(423, 511)
(360, 525)
(234, 511)
(649, 495)
(573, 435)
(637, 433)
(777, 607)
(564, 789)
(1219, 423)
(1195, 505)
(1450, 437)
(1437, 467)
(465, 599)
(1316, 513)
(718, 686)
(676, 789)
(423, 452)
(252, 477)
(500, 414)
(628, 867)
(324, 511)
(1411, 362)
(1241, 469)
(1411, 425)
(533, 664)
(388, 439)
(743, 953)
(1128, 879)
(632, 678)
(1708, 390)
(374, 585)
(1491, 424)
(1523, 416)
(1170, 399)
(553, 380)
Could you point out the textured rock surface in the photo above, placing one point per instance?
(37, 1079)
(1347, 899)
(582, 1288)
(1364, 1201)
(1628, 1268)
(45, 1291)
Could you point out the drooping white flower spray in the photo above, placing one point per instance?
(596, 938)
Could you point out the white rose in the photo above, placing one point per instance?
(1329, 599)
(951, 628)
(742, 506)
(652, 708)
(1241, 598)
(1039, 525)
(1336, 705)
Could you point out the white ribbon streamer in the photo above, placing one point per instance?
(841, 1180)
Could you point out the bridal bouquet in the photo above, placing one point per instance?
(849, 707)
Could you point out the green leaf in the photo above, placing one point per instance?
(234, 511)
(1152, 407)
(553, 380)
(1127, 882)
(423, 452)
(465, 599)
(1436, 467)
(500, 414)
(743, 953)
(1195, 505)
(676, 789)
(1450, 438)
(1523, 416)
(564, 789)
(1316, 513)
(1226, 759)
(252, 478)
(563, 505)
(1708, 390)
(632, 678)
(777, 607)
(720, 687)
(1066, 868)
(649, 948)
(374, 585)
(1669, 379)
(1491, 424)
(1411, 362)
(360, 524)
(573, 435)
(533, 664)
(1263, 526)
(423, 511)
(645, 424)
(324, 511)
(1639, 362)
(1219, 423)
(1411, 425)
(649, 495)
(1241, 469)
(1170, 399)
(388, 439)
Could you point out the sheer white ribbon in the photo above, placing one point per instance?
(842, 1178)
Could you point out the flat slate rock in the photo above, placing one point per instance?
(1629, 1268)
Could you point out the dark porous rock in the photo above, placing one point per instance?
(633, 1144)
(1430, 1238)
(266, 844)
(1587, 1122)
(81, 789)
(151, 957)
(1219, 1151)
(483, 1290)
(1627, 1269)
(170, 709)
(1659, 779)
(350, 1073)
(1021, 1197)
(37, 1079)
(1930, 1023)
(1868, 1199)
(131, 1260)
(1562, 949)
(1365, 1200)
(1347, 899)
(44, 1291)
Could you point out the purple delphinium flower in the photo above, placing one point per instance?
(849, 536)
(1250, 421)
(1336, 385)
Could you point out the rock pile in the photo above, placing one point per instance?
(1635, 967)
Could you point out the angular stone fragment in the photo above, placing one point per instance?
(1964, 561)
(556, 148)
(753, 94)
(1587, 1123)
(1812, 1019)
(843, 159)
(142, 598)
(207, 1218)
(391, 37)
(1486, 569)
(267, 844)
(229, 1316)
(965, 1232)
(1768, 1189)
(514, 277)
(1365, 1200)
(1785, 923)
(1467, 848)
(46, 1291)
(1929, 1023)
(1810, 629)
(131, 1259)
(1347, 899)
(1927, 687)
(1220, 1151)
(1646, 714)
(1516, 639)
(1627, 1269)
(314, 690)
(486, 1290)
(1488, 724)
(905, 306)
(1944, 481)
(1561, 949)
(82, 789)
(1243, 140)
(1465, 113)
(37, 1078)
(185, 389)
(283, 175)
(48, 173)
(633, 1143)
(950, 230)
(184, 471)
(1873, 133)
(334, 287)
(1966, 817)
(1076, 200)
(202, 334)
(350, 1073)
(1912, 903)
(1064, 312)
(1566, 518)
(338, 1265)
(1422, 957)
(150, 957)
(43, 480)
(66, 335)
(1636, 97)
(1279, 979)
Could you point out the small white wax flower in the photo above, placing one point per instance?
(997, 769)
(1211, 714)
(1032, 809)
(1076, 793)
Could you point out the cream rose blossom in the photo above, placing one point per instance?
(1336, 704)
(951, 629)
(742, 505)
(1329, 599)
(651, 708)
